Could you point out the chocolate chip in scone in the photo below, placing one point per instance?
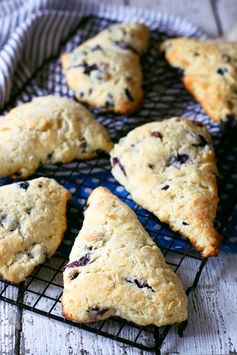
(97, 47)
(196, 54)
(177, 160)
(28, 211)
(116, 161)
(23, 185)
(128, 94)
(156, 134)
(95, 312)
(140, 284)
(222, 71)
(166, 187)
(202, 142)
(84, 260)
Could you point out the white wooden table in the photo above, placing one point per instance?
(212, 325)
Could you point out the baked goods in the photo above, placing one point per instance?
(169, 168)
(49, 129)
(209, 70)
(105, 71)
(32, 224)
(115, 269)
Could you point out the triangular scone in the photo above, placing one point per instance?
(105, 71)
(209, 73)
(49, 129)
(32, 224)
(115, 269)
(169, 168)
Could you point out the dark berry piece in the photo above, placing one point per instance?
(81, 94)
(40, 185)
(49, 156)
(178, 160)
(23, 185)
(73, 275)
(156, 134)
(83, 146)
(185, 223)
(90, 91)
(89, 247)
(18, 174)
(222, 71)
(97, 47)
(128, 94)
(166, 187)
(2, 218)
(140, 284)
(151, 166)
(80, 262)
(88, 68)
(116, 161)
(202, 142)
(196, 54)
(110, 101)
(95, 312)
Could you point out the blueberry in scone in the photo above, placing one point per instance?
(169, 168)
(32, 224)
(105, 71)
(49, 129)
(209, 73)
(115, 269)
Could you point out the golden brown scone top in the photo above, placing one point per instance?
(169, 168)
(49, 129)
(209, 73)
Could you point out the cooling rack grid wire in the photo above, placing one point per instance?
(165, 96)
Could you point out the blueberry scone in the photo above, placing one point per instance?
(32, 224)
(105, 71)
(115, 269)
(209, 73)
(49, 129)
(169, 168)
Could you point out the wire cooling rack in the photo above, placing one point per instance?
(165, 96)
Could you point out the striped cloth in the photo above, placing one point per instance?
(32, 30)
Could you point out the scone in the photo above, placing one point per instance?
(105, 71)
(49, 129)
(32, 224)
(115, 269)
(209, 73)
(169, 168)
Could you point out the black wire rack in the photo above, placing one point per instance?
(165, 97)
